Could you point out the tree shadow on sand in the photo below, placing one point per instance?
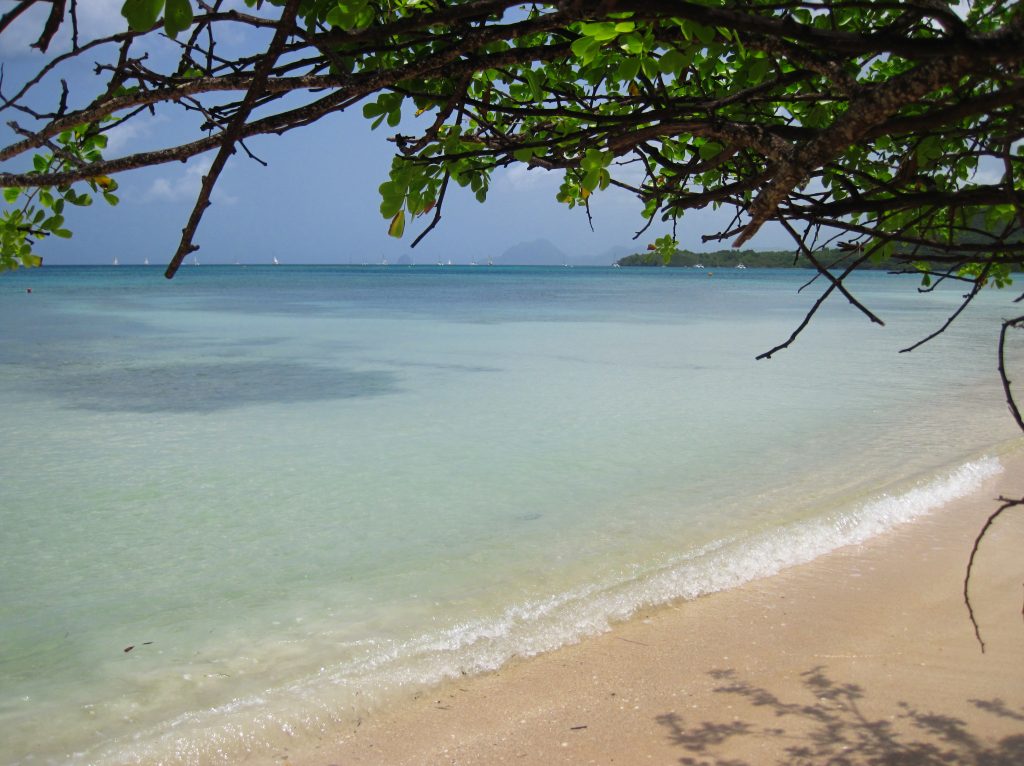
(836, 730)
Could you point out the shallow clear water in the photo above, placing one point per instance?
(293, 490)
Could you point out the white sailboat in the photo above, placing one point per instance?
(275, 261)
(145, 261)
(115, 261)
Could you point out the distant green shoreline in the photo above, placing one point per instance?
(764, 259)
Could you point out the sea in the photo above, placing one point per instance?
(254, 502)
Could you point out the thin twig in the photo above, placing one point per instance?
(437, 211)
(1007, 503)
(975, 289)
(1014, 410)
(827, 274)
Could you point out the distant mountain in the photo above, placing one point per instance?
(543, 252)
(606, 258)
(538, 252)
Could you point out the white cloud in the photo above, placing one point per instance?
(988, 176)
(185, 186)
(17, 39)
(121, 136)
(520, 177)
(99, 18)
(96, 18)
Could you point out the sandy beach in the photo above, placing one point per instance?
(864, 656)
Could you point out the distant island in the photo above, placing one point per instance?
(764, 259)
(543, 252)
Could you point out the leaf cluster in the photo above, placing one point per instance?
(893, 130)
(33, 213)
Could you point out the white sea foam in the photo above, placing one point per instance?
(341, 692)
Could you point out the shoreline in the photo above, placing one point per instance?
(865, 653)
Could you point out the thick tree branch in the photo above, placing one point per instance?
(233, 134)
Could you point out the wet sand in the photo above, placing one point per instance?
(864, 656)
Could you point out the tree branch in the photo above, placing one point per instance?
(234, 134)
(1010, 401)
(1007, 503)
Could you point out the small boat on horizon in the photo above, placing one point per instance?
(115, 261)
(275, 261)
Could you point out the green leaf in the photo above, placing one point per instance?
(929, 150)
(142, 14)
(591, 179)
(177, 16)
(372, 109)
(11, 194)
(390, 205)
(632, 43)
(397, 227)
(674, 61)
(339, 16)
(602, 30)
(705, 34)
(628, 69)
(535, 80)
(759, 67)
(709, 150)
(586, 49)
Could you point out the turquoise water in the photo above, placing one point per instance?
(295, 490)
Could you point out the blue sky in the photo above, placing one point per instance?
(317, 200)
